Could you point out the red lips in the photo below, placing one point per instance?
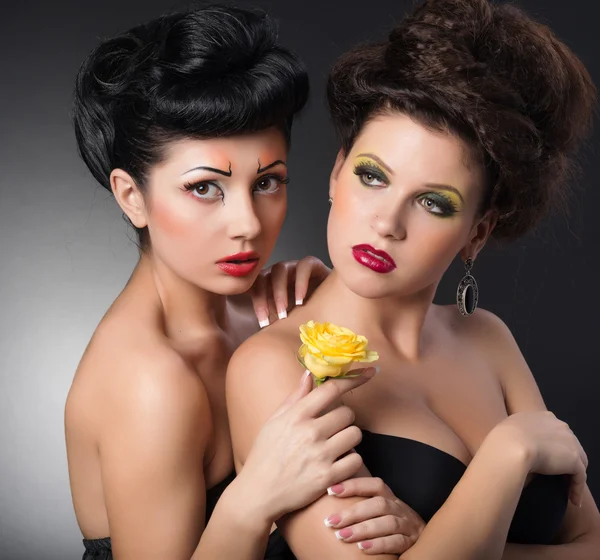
(240, 264)
(374, 259)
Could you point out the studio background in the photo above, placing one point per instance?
(65, 252)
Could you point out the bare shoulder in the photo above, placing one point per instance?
(268, 356)
(491, 335)
(131, 372)
(483, 326)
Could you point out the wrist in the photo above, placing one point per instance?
(509, 449)
(249, 506)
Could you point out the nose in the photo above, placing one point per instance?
(243, 222)
(389, 222)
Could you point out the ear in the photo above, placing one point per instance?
(479, 234)
(337, 166)
(129, 197)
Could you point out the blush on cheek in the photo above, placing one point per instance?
(169, 219)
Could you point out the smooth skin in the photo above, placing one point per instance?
(146, 423)
(459, 384)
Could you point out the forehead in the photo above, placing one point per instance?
(242, 151)
(418, 152)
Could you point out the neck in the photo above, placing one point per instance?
(188, 310)
(398, 319)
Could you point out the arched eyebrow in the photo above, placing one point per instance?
(276, 162)
(378, 160)
(213, 169)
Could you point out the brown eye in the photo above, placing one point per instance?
(205, 191)
(268, 185)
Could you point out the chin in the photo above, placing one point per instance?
(231, 286)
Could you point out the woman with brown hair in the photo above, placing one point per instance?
(460, 127)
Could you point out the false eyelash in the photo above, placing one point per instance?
(279, 178)
(363, 168)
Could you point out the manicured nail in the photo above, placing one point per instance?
(332, 520)
(335, 489)
(282, 314)
(343, 533)
(365, 545)
(263, 318)
(299, 301)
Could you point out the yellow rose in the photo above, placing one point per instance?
(329, 350)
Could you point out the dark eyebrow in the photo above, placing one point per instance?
(378, 160)
(261, 169)
(445, 188)
(213, 169)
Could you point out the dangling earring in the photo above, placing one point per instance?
(467, 294)
(330, 201)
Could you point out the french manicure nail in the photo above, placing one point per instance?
(365, 545)
(335, 489)
(343, 533)
(332, 520)
(263, 323)
(282, 314)
(299, 301)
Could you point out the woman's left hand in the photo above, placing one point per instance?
(381, 524)
(281, 287)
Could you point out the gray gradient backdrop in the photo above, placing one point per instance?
(65, 252)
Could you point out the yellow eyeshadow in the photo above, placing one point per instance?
(368, 162)
(456, 200)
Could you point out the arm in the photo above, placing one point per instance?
(489, 521)
(260, 375)
(579, 536)
(153, 451)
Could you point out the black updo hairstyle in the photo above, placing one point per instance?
(490, 74)
(211, 72)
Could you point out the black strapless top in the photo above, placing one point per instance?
(101, 549)
(423, 477)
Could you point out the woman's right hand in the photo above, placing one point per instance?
(305, 447)
(549, 447)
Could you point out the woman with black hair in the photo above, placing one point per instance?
(187, 121)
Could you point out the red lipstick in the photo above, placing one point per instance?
(240, 264)
(376, 260)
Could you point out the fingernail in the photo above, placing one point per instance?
(332, 520)
(343, 533)
(263, 318)
(335, 489)
(365, 545)
(374, 370)
(299, 301)
(305, 375)
(282, 314)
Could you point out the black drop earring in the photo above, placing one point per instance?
(467, 294)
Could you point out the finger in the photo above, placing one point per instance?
(373, 528)
(344, 468)
(333, 422)
(365, 487)
(297, 395)
(363, 511)
(260, 300)
(391, 544)
(578, 482)
(279, 284)
(329, 392)
(307, 268)
(343, 442)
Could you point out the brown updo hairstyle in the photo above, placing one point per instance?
(502, 82)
